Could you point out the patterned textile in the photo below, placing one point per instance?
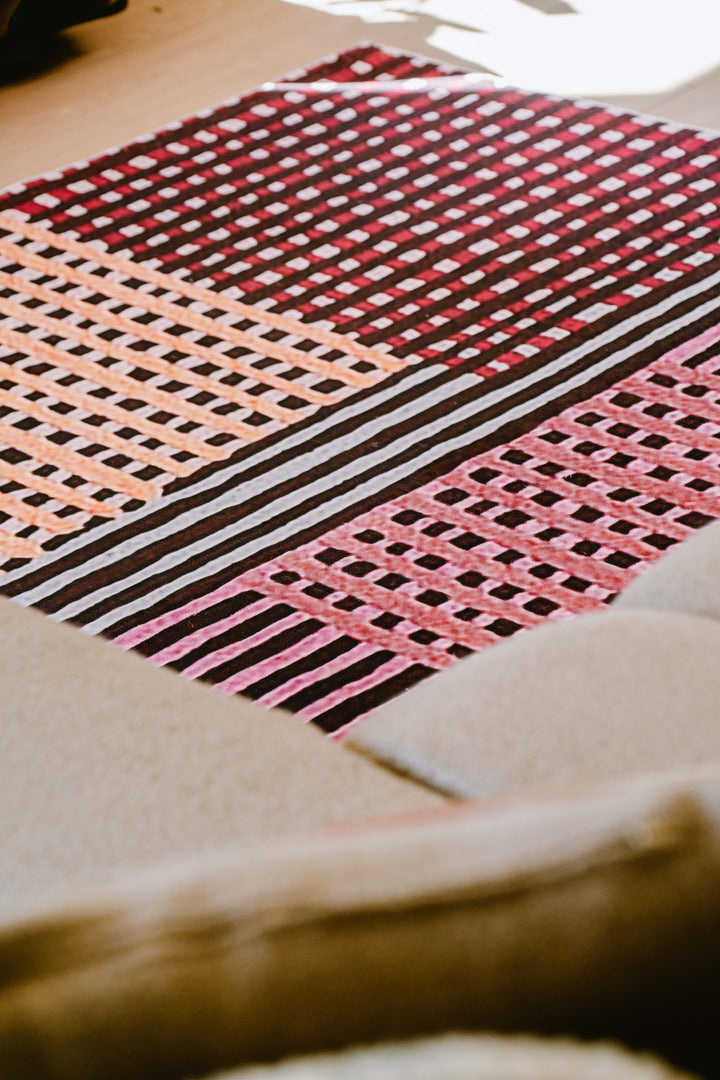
(316, 392)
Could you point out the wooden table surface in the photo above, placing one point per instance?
(163, 59)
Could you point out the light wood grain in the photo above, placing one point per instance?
(162, 59)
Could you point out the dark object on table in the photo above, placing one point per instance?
(35, 22)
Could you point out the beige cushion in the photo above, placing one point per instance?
(588, 699)
(469, 1057)
(592, 912)
(105, 760)
(686, 579)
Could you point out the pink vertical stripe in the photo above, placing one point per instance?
(236, 683)
(231, 652)
(207, 633)
(141, 633)
(385, 671)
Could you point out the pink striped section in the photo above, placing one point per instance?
(327, 634)
(385, 671)
(207, 633)
(147, 630)
(230, 652)
(688, 349)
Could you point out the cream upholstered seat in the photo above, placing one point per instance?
(686, 579)
(630, 690)
(108, 762)
(592, 912)
(588, 911)
(588, 699)
(468, 1057)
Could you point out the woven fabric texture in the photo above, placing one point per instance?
(315, 393)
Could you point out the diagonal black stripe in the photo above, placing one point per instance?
(228, 478)
(411, 481)
(322, 687)
(311, 662)
(340, 715)
(240, 632)
(209, 615)
(274, 646)
(147, 557)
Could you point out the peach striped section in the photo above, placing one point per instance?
(54, 490)
(147, 360)
(34, 515)
(183, 316)
(132, 388)
(15, 547)
(205, 296)
(99, 407)
(49, 453)
(148, 332)
(92, 434)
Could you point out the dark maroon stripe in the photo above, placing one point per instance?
(274, 647)
(356, 706)
(320, 689)
(311, 662)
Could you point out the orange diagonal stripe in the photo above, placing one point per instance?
(49, 453)
(151, 333)
(204, 296)
(184, 316)
(35, 515)
(17, 548)
(61, 492)
(100, 407)
(93, 434)
(145, 360)
(133, 388)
